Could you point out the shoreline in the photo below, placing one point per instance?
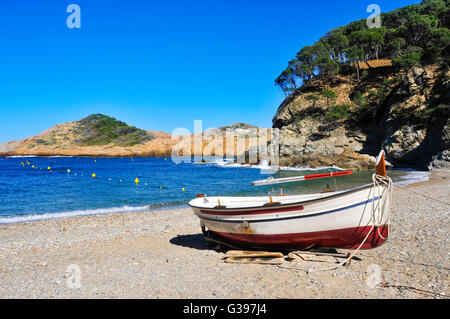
(87, 155)
(89, 212)
(162, 254)
(134, 209)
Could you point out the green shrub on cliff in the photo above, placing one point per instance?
(314, 98)
(337, 112)
(363, 106)
(358, 98)
(329, 95)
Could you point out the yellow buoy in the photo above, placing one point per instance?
(68, 171)
(93, 175)
(183, 189)
(49, 168)
(160, 187)
(32, 166)
(136, 180)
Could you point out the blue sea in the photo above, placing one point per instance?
(35, 188)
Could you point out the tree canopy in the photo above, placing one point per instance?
(414, 35)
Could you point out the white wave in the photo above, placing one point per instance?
(75, 213)
(264, 165)
(20, 156)
(55, 156)
(299, 168)
(59, 156)
(412, 176)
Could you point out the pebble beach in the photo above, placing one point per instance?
(162, 254)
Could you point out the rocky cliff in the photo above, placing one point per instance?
(406, 113)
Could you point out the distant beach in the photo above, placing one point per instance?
(162, 254)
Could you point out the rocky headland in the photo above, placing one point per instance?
(102, 135)
(406, 113)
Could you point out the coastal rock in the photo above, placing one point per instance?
(416, 79)
(442, 159)
(403, 112)
(309, 144)
(402, 143)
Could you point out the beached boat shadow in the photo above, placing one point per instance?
(196, 241)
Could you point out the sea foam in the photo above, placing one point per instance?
(412, 177)
(75, 213)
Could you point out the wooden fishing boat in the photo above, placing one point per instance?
(357, 218)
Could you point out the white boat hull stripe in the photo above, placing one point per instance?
(291, 217)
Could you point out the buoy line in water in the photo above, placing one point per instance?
(93, 175)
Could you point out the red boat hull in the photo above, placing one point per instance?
(350, 238)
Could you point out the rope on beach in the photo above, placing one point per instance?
(424, 195)
(406, 261)
(384, 285)
(378, 180)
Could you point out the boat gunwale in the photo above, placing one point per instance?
(218, 210)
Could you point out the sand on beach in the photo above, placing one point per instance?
(162, 254)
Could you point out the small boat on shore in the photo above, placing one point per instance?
(357, 218)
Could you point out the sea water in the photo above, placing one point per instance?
(34, 188)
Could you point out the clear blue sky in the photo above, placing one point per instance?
(157, 65)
